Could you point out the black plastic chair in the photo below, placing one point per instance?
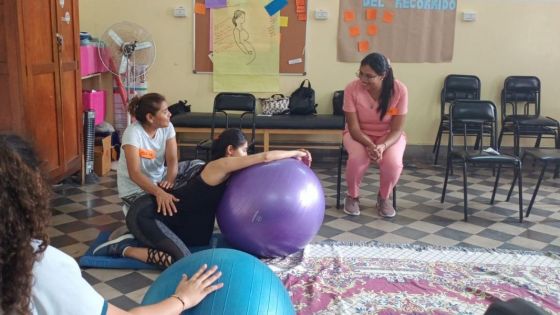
(545, 157)
(341, 156)
(521, 112)
(481, 113)
(224, 104)
(455, 87)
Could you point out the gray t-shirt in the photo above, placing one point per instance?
(59, 289)
(152, 156)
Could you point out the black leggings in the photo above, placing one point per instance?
(143, 222)
(146, 224)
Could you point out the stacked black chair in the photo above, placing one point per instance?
(224, 104)
(481, 114)
(455, 87)
(521, 112)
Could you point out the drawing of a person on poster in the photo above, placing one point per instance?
(246, 46)
(241, 36)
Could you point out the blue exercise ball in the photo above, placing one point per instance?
(272, 209)
(250, 287)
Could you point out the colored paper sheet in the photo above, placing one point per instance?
(275, 6)
(372, 29)
(301, 9)
(349, 16)
(283, 21)
(302, 17)
(200, 8)
(246, 48)
(300, 2)
(371, 14)
(213, 4)
(388, 16)
(363, 46)
(354, 31)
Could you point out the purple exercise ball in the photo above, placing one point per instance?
(272, 209)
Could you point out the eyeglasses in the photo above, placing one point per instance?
(368, 77)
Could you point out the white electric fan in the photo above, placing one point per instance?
(128, 51)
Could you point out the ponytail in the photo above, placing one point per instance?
(387, 88)
(133, 105)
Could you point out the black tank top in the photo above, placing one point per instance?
(196, 211)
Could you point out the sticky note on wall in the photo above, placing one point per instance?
(388, 16)
(354, 31)
(349, 16)
(371, 14)
(283, 21)
(372, 29)
(200, 8)
(363, 46)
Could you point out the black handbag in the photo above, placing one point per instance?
(302, 100)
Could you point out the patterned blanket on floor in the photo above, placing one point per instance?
(374, 278)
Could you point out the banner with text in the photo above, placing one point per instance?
(402, 30)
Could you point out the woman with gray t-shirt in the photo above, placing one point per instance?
(148, 145)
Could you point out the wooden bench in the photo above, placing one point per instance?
(306, 128)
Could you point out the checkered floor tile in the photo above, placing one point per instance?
(79, 212)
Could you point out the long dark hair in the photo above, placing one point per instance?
(149, 103)
(232, 136)
(24, 215)
(381, 66)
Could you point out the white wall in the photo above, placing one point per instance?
(510, 37)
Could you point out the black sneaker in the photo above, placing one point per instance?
(116, 247)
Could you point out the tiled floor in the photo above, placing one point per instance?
(79, 212)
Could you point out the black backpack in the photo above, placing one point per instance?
(180, 107)
(337, 102)
(302, 100)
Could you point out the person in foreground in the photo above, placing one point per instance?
(39, 279)
(198, 199)
(375, 107)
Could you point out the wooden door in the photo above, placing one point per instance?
(10, 78)
(70, 83)
(42, 105)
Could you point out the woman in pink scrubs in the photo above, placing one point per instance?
(375, 106)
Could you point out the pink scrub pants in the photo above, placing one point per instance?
(390, 165)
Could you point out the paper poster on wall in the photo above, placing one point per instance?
(404, 31)
(246, 48)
